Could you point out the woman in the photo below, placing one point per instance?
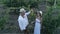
(38, 23)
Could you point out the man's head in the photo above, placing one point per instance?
(22, 11)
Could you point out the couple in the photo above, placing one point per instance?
(23, 21)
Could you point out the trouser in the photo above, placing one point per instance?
(26, 31)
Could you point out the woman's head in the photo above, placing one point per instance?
(38, 14)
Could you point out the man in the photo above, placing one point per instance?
(23, 20)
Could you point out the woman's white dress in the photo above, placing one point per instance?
(37, 27)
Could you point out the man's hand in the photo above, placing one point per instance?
(31, 10)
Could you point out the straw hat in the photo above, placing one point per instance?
(40, 12)
(22, 10)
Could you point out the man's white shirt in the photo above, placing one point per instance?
(23, 22)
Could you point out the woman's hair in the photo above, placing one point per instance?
(38, 13)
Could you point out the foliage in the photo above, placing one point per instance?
(51, 2)
(2, 22)
(50, 22)
(13, 3)
(19, 3)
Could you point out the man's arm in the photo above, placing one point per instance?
(28, 13)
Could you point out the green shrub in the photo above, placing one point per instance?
(19, 3)
(12, 3)
(2, 22)
(50, 22)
